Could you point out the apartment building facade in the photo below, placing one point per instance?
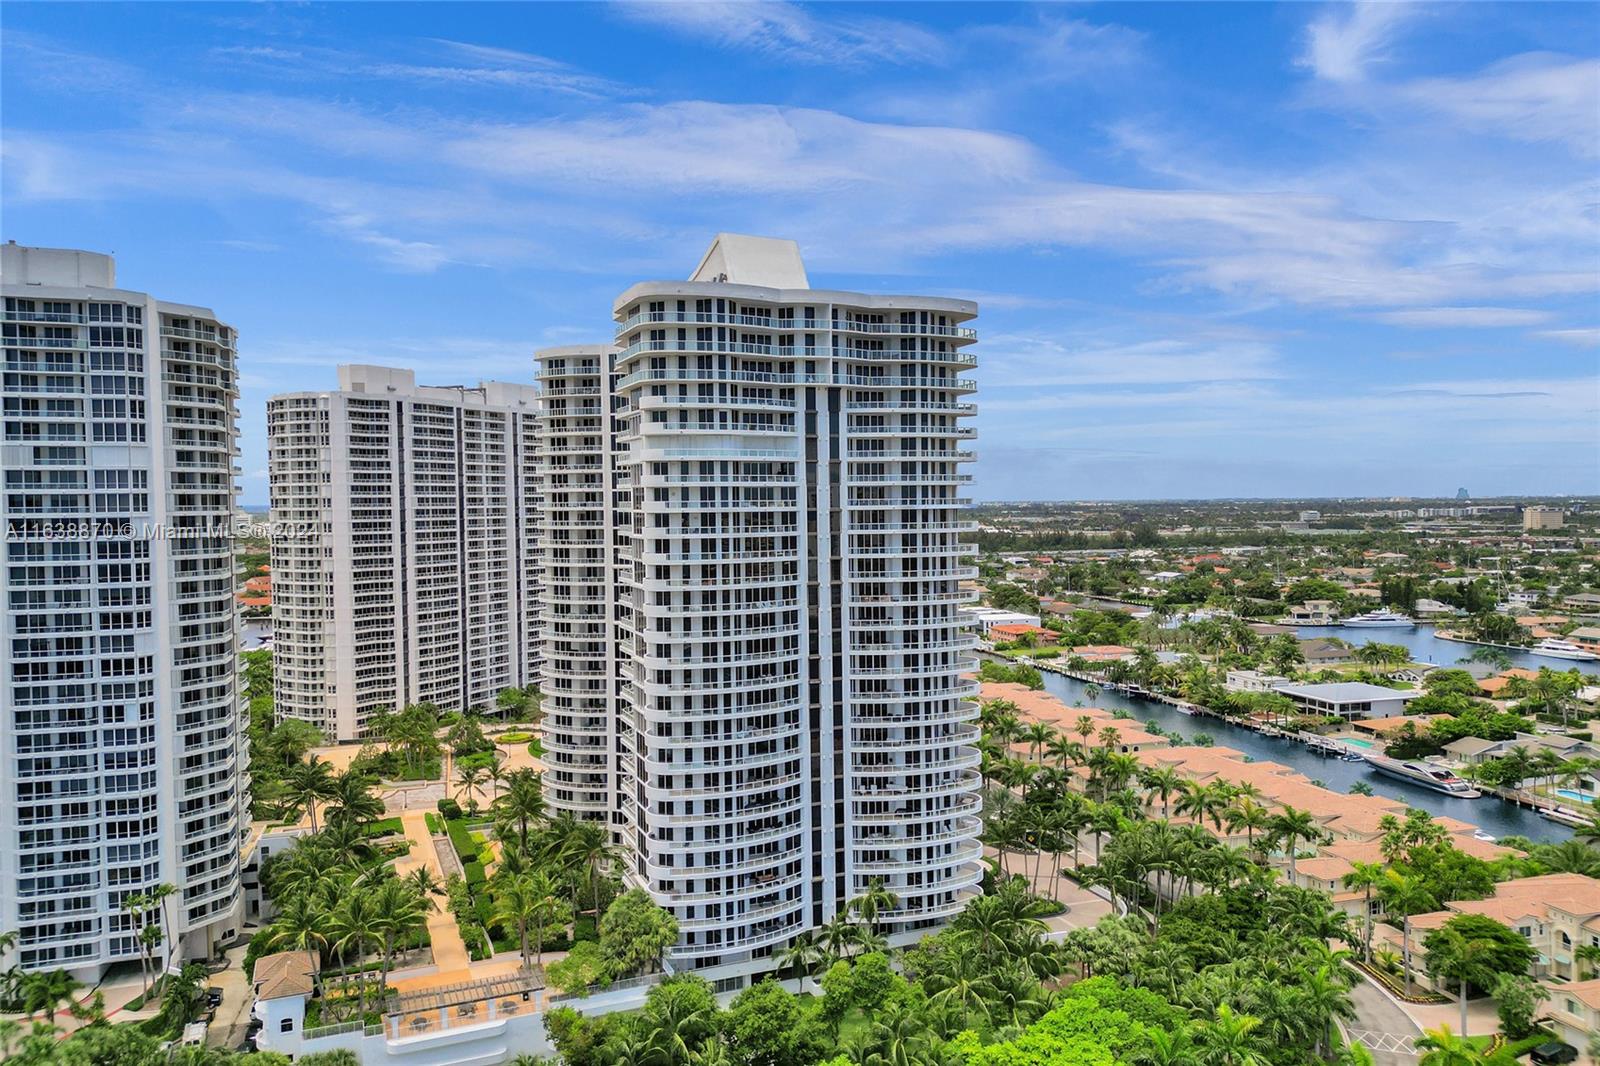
(122, 750)
(766, 700)
(404, 564)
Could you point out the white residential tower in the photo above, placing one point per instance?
(753, 564)
(122, 754)
(404, 565)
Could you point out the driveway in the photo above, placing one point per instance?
(1382, 1025)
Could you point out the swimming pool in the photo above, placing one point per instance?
(1581, 797)
(1354, 743)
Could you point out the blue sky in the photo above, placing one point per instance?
(1220, 250)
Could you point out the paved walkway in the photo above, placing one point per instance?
(1084, 908)
(233, 1017)
(449, 953)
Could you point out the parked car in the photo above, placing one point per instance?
(213, 998)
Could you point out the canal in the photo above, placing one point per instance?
(1489, 813)
(1427, 648)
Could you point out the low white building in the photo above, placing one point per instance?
(1349, 699)
(1252, 681)
(989, 617)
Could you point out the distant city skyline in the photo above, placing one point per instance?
(1239, 251)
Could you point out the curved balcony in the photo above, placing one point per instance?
(965, 781)
(683, 793)
(964, 801)
(729, 818)
(749, 942)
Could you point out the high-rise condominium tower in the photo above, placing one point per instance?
(121, 751)
(403, 556)
(753, 565)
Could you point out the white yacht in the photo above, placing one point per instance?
(1428, 775)
(1379, 620)
(1563, 649)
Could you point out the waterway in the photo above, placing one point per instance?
(1489, 813)
(1427, 648)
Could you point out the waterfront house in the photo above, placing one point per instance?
(1253, 681)
(989, 617)
(1472, 751)
(1325, 651)
(1008, 631)
(1494, 687)
(1388, 727)
(1583, 603)
(1313, 613)
(1586, 637)
(1349, 699)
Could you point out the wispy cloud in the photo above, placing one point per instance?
(789, 31)
(1343, 42)
(1584, 337)
(1436, 317)
(1533, 97)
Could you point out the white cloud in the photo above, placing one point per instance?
(1588, 337)
(1343, 42)
(1532, 97)
(1448, 317)
(789, 31)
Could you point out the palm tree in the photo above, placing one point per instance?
(1291, 826)
(588, 845)
(402, 915)
(1163, 781)
(467, 780)
(1441, 1047)
(1225, 1039)
(1250, 816)
(549, 910)
(158, 897)
(350, 799)
(1084, 727)
(1165, 1047)
(524, 801)
(299, 926)
(423, 882)
(1405, 895)
(309, 782)
(838, 935)
(515, 905)
(1324, 992)
(353, 927)
(496, 774)
(1365, 876)
(43, 991)
(801, 957)
(134, 905)
(1037, 735)
(876, 899)
(1463, 959)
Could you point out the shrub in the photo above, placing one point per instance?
(474, 872)
(387, 827)
(461, 840)
(449, 808)
(435, 826)
(257, 947)
(516, 736)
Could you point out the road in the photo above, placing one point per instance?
(1382, 1026)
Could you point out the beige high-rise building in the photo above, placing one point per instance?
(122, 750)
(756, 655)
(1543, 518)
(404, 561)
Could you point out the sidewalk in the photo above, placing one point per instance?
(449, 953)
